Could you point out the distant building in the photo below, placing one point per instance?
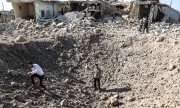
(7, 12)
(6, 16)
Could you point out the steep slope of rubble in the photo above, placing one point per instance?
(139, 70)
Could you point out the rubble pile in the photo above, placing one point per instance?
(23, 30)
(139, 70)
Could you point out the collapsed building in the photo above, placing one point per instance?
(51, 9)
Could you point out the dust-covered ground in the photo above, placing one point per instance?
(139, 70)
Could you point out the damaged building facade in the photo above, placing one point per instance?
(23, 8)
(155, 10)
(50, 9)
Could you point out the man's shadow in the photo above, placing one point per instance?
(119, 90)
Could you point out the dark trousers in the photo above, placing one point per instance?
(146, 28)
(40, 79)
(97, 82)
(140, 27)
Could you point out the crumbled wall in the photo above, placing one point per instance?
(23, 10)
(43, 6)
(31, 9)
(173, 14)
(59, 9)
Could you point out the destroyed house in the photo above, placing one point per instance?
(168, 14)
(47, 9)
(154, 10)
(23, 8)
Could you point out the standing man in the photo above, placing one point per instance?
(36, 72)
(141, 22)
(146, 25)
(97, 77)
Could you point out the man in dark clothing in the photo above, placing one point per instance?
(146, 25)
(36, 72)
(97, 77)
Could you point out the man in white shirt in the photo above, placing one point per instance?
(36, 72)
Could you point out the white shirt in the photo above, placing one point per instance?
(37, 69)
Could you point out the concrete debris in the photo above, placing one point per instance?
(74, 16)
(60, 24)
(61, 31)
(113, 101)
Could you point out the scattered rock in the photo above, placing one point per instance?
(20, 39)
(172, 67)
(132, 99)
(66, 81)
(98, 31)
(113, 101)
(20, 98)
(64, 103)
(160, 39)
(60, 24)
(14, 84)
(25, 84)
(13, 72)
(61, 31)
(104, 97)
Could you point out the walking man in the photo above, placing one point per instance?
(36, 72)
(97, 77)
